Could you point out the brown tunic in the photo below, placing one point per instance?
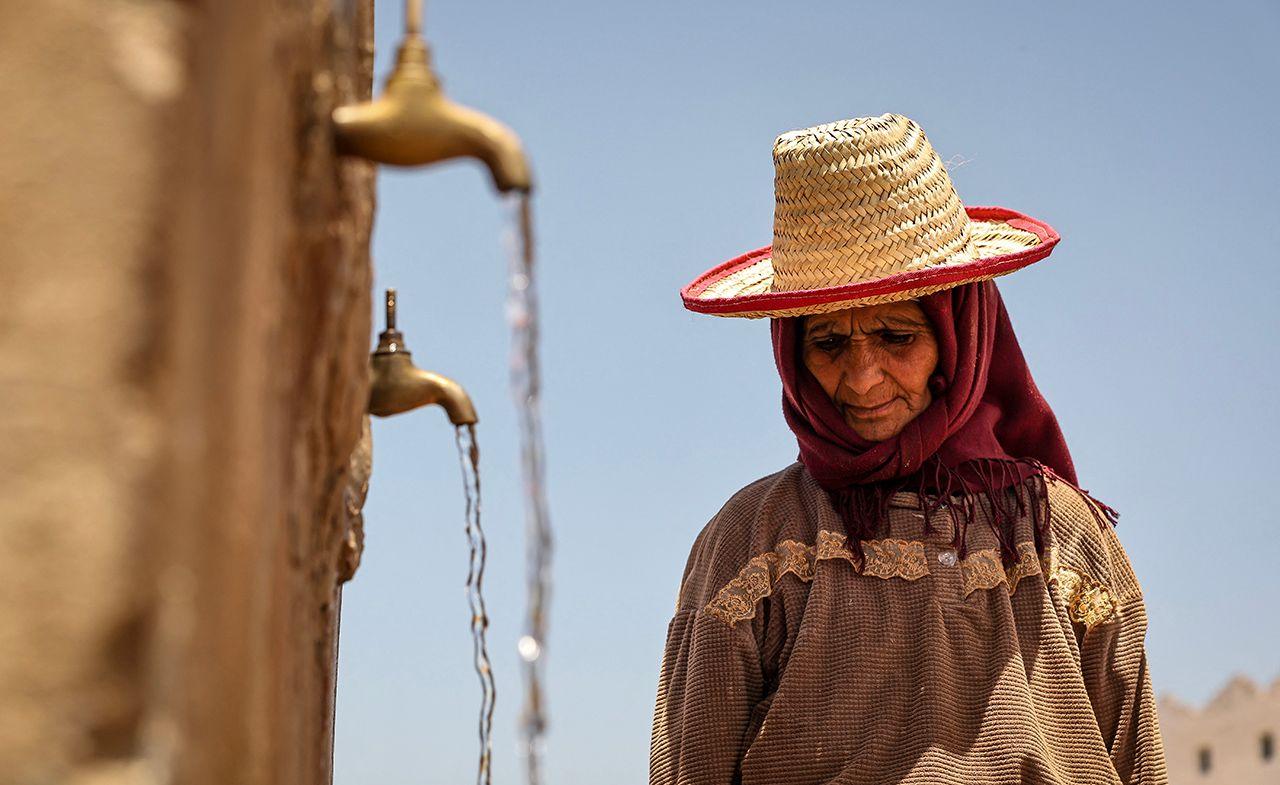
(785, 664)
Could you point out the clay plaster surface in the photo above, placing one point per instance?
(184, 322)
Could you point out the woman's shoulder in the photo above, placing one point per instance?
(1085, 541)
(791, 484)
(754, 521)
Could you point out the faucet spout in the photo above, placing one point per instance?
(400, 386)
(413, 124)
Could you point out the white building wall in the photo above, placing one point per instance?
(1228, 734)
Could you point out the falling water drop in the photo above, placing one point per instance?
(529, 648)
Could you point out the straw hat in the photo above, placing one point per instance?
(865, 213)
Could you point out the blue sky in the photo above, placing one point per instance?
(1142, 132)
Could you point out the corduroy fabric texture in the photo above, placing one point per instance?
(785, 664)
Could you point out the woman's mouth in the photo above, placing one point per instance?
(869, 412)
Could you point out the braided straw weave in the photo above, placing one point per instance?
(860, 201)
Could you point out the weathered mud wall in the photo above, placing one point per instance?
(184, 326)
(1231, 739)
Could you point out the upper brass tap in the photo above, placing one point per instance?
(412, 123)
(399, 385)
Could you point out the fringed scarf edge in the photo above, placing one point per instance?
(1006, 489)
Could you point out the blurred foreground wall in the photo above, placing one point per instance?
(184, 326)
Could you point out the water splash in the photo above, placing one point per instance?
(522, 315)
(469, 459)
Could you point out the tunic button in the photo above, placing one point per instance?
(947, 558)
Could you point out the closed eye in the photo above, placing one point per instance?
(896, 338)
(829, 343)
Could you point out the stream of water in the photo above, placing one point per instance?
(522, 315)
(469, 459)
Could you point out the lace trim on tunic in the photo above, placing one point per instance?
(984, 570)
(887, 558)
(1028, 564)
(891, 558)
(1089, 601)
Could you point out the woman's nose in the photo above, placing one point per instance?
(862, 371)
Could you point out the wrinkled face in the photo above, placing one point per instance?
(874, 363)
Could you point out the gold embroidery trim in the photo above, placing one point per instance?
(1089, 602)
(888, 558)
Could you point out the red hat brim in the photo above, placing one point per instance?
(930, 278)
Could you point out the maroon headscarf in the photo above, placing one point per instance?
(987, 430)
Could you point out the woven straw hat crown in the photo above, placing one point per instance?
(859, 199)
(865, 213)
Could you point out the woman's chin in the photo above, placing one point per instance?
(876, 430)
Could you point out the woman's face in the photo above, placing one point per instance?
(874, 363)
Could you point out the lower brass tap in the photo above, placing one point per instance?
(400, 386)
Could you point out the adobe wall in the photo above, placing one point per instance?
(1223, 741)
(184, 329)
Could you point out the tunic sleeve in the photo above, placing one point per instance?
(709, 684)
(1114, 663)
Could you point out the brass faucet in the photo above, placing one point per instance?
(412, 123)
(399, 385)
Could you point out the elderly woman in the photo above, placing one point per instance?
(926, 596)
